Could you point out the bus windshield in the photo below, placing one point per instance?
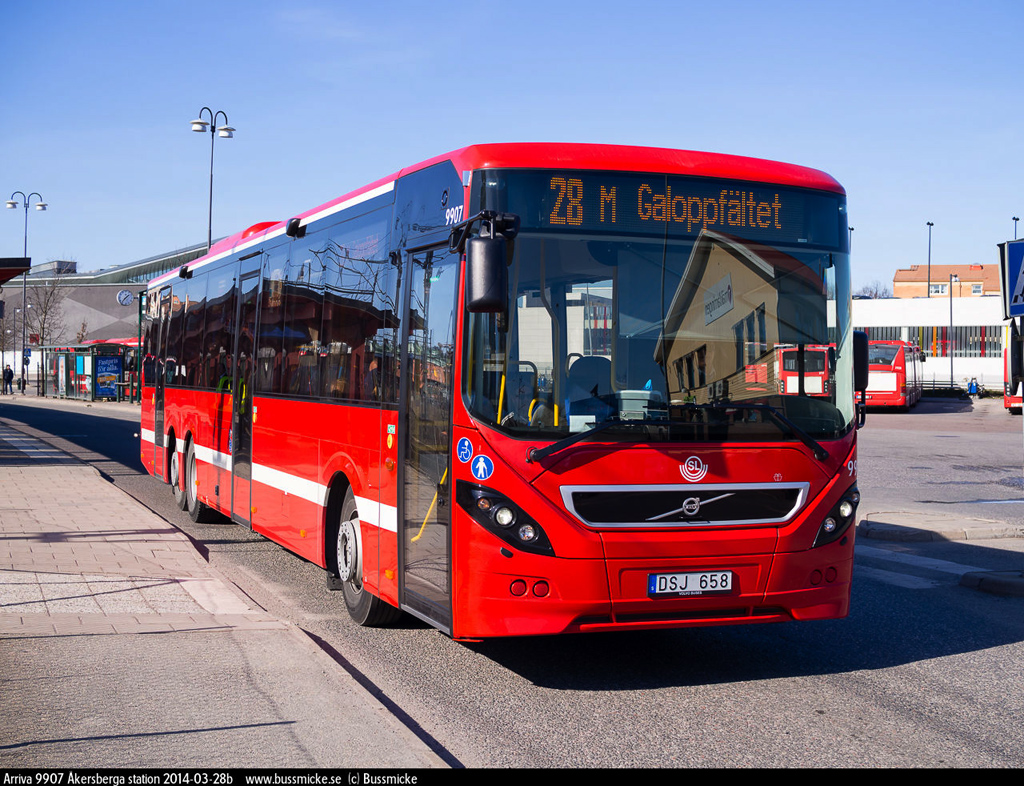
(677, 302)
(882, 354)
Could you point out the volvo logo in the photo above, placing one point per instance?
(693, 469)
(691, 506)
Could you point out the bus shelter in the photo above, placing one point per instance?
(93, 371)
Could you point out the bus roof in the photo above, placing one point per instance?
(625, 158)
(552, 155)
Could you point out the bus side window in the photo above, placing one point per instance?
(357, 276)
(303, 314)
(219, 339)
(271, 322)
(192, 339)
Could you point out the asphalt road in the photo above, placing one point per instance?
(923, 672)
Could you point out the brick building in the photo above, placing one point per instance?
(972, 281)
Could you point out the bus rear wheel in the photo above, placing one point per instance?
(363, 607)
(174, 475)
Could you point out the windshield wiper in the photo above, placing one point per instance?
(537, 454)
(777, 417)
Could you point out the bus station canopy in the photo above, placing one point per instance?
(13, 266)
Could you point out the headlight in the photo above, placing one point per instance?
(838, 519)
(501, 516)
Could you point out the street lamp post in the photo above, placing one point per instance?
(227, 132)
(1015, 220)
(930, 225)
(949, 344)
(12, 203)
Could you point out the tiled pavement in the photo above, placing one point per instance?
(79, 555)
(87, 575)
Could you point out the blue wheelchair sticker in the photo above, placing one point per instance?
(464, 450)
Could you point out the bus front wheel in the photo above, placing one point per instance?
(365, 608)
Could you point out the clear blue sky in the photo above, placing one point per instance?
(916, 107)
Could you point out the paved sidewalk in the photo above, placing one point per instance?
(121, 647)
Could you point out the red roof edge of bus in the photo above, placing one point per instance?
(549, 155)
(130, 342)
(622, 158)
(625, 158)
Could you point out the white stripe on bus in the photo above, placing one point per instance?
(372, 512)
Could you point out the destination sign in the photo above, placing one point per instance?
(659, 204)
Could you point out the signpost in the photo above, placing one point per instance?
(1011, 281)
(1011, 277)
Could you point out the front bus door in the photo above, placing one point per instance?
(160, 381)
(241, 398)
(426, 391)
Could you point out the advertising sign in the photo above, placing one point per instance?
(108, 374)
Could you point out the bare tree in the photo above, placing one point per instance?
(46, 311)
(875, 289)
(7, 334)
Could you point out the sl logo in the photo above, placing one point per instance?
(693, 469)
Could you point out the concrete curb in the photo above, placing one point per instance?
(915, 527)
(909, 527)
(1010, 583)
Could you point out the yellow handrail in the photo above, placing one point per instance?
(430, 510)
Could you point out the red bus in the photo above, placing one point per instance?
(813, 379)
(504, 391)
(1013, 400)
(896, 376)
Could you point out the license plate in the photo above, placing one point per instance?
(705, 582)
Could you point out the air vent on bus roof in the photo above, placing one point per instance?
(256, 228)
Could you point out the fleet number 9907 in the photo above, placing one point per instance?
(705, 582)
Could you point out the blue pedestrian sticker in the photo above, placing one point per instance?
(482, 467)
(464, 450)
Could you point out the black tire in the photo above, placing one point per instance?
(197, 511)
(365, 608)
(174, 476)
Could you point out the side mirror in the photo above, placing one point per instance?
(860, 361)
(486, 275)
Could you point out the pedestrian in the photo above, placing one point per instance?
(8, 380)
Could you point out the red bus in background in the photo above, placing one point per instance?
(502, 391)
(815, 379)
(896, 376)
(1013, 400)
